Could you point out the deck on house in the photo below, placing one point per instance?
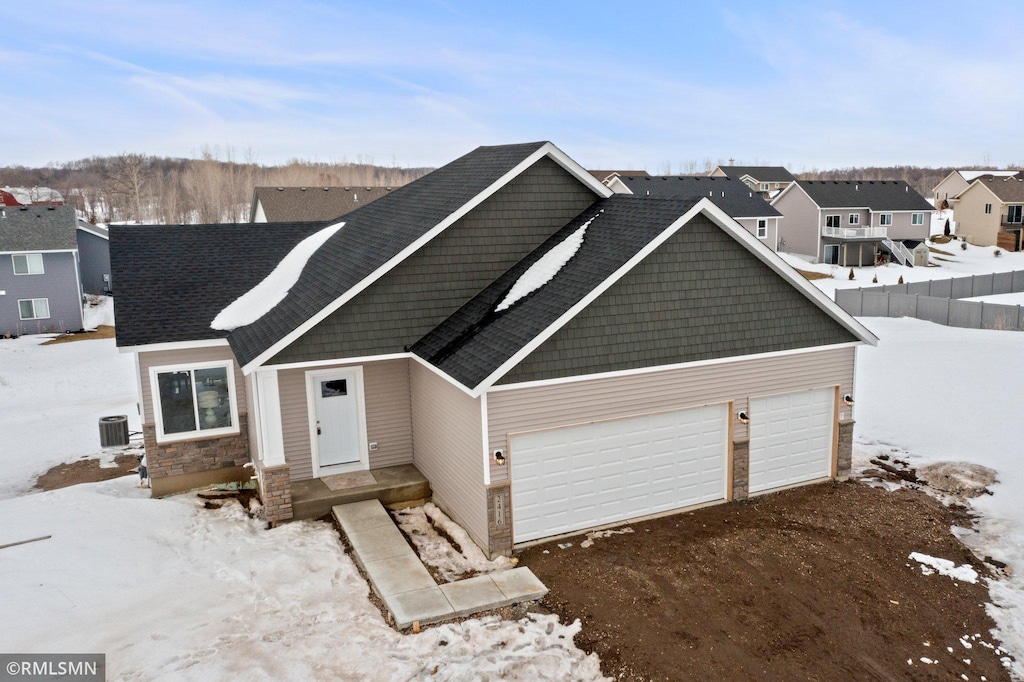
(401, 484)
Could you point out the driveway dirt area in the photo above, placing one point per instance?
(813, 583)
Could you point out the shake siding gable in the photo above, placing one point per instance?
(388, 415)
(434, 282)
(448, 437)
(529, 408)
(700, 296)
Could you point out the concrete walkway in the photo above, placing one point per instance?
(399, 578)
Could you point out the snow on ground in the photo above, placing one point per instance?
(975, 260)
(945, 394)
(420, 524)
(170, 590)
(101, 314)
(51, 400)
(258, 301)
(1001, 299)
(930, 565)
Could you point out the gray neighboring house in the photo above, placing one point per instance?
(550, 356)
(736, 198)
(854, 222)
(307, 204)
(768, 180)
(44, 253)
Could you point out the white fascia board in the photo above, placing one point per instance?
(446, 377)
(39, 251)
(172, 345)
(89, 228)
(590, 297)
(617, 186)
(787, 271)
(666, 368)
(547, 149)
(363, 359)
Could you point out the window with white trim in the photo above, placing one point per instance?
(988, 208)
(917, 218)
(885, 219)
(833, 221)
(194, 401)
(1015, 214)
(855, 218)
(34, 308)
(762, 228)
(27, 263)
(764, 186)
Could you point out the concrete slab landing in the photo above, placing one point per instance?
(406, 587)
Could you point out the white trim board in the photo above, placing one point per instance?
(547, 149)
(172, 345)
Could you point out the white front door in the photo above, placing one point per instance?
(338, 413)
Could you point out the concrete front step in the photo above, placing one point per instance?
(406, 587)
(401, 484)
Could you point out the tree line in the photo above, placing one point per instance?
(215, 188)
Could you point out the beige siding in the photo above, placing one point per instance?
(541, 407)
(902, 227)
(971, 220)
(750, 225)
(949, 188)
(448, 435)
(180, 358)
(388, 414)
(798, 230)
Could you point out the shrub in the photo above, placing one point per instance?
(997, 253)
(963, 246)
(851, 274)
(945, 230)
(901, 280)
(874, 280)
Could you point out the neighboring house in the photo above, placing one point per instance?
(743, 205)
(551, 357)
(30, 196)
(48, 259)
(768, 180)
(990, 212)
(956, 182)
(303, 204)
(853, 222)
(610, 178)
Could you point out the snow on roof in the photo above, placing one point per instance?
(261, 299)
(971, 175)
(541, 272)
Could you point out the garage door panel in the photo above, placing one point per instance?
(588, 475)
(790, 438)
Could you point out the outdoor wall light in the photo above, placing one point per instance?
(743, 418)
(848, 399)
(499, 458)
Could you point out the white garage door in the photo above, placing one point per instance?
(584, 476)
(790, 438)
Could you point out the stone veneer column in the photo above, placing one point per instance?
(844, 458)
(275, 484)
(740, 469)
(186, 464)
(499, 520)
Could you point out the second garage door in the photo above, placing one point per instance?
(790, 438)
(583, 476)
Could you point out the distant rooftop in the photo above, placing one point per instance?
(759, 173)
(603, 175)
(1006, 188)
(731, 195)
(306, 204)
(876, 195)
(972, 175)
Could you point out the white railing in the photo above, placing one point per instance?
(856, 232)
(899, 252)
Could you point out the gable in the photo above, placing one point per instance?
(419, 293)
(700, 296)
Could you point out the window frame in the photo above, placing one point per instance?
(761, 227)
(885, 219)
(854, 219)
(197, 434)
(1010, 210)
(33, 301)
(988, 209)
(28, 263)
(764, 187)
(917, 219)
(837, 223)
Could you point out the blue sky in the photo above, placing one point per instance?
(614, 84)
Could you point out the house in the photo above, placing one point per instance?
(768, 180)
(949, 189)
(299, 204)
(550, 356)
(743, 204)
(30, 196)
(852, 222)
(610, 178)
(48, 260)
(989, 212)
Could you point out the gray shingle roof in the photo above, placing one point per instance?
(183, 275)
(476, 340)
(877, 195)
(759, 173)
(295, 204)
(603, 175)
(38, 228)
(1007, 189)
(730, 195)
(373, 235)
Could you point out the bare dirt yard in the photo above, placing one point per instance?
(813, 583)
(86, 471)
